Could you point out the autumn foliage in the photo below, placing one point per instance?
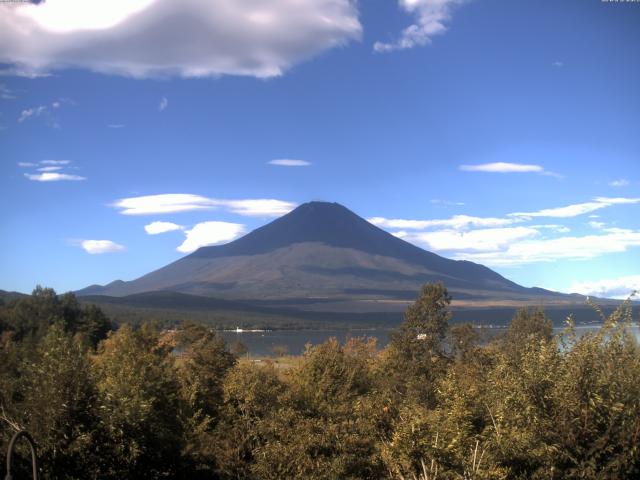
(439, 402)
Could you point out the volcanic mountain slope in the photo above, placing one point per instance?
(321, 251)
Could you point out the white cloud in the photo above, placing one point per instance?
(431, 17)
(210, 233)
(183, 202)
(32, 112)
(558, 64)
(21, 72)
(620, 288)
(617, 230)
(95, 247)
(549, 250)
(259, 207)
(563, 212)
(55, 162)
(554, 227)
(46, 112)
(503, 167)
(164, 203)
(49, 169)
(578, 208)
(164, 103)
(449, 203)
(286, 162)
(52, 177)
(456, 222)
(608, 201)
(115, 125)
(154, 228)
(481, 240)
(496, 242)
(189, 38)
(6, 93)
(622, 182)
(520, 245)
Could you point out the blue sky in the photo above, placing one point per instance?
(507, 133)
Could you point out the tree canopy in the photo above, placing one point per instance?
(436, 403)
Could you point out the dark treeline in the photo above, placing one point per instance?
(435, 404)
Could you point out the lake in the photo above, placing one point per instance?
(263, 343)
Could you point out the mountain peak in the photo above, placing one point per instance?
(317, 247)
(321, 211)
(323, 222)
(335, 225)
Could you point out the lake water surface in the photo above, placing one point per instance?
(263, 343)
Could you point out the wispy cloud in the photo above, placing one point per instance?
(262, 207)
(563, 248)
(578, 208)
(23, 72)
(53, 177)
(457, 222)
(183, 202)
(448, 203)
(49, 169)
(431, 17)
(164, 203)
(503, 167)
(6, 93)
(521, 245)
(55, 162)
(32, 112)
(155, 228)
(621, 287)
(210, 233)
(498, 242)
(557, 64)
(164, 103)
(481, 240)
(622, 182)
(47, 112)
(554, 227)
(115, 125)
(97, 247)
(286, 162)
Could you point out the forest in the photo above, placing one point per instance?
(437, 403)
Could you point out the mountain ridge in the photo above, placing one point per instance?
(319, 249)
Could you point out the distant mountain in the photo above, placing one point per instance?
(10, 296)
(96, 289)
(328, 255)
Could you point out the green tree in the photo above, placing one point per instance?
(596, 422)
(58, 405)
(463, 340)
(527, 326)
(94, 325)
(251, 394)
(416, 358)
(324, 428)
(204, 362)
(140, 405)
(30, 317)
